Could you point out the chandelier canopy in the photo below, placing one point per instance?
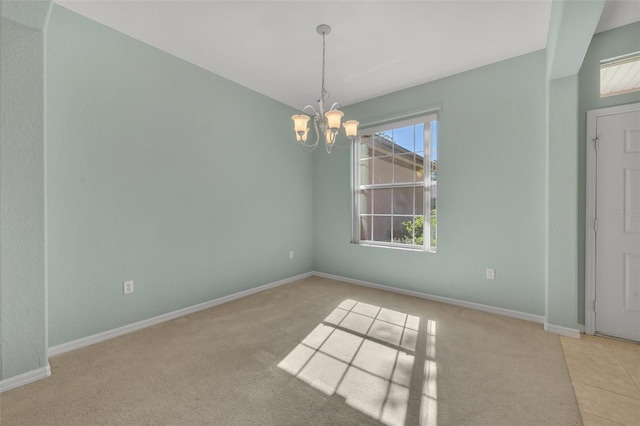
(327, 122)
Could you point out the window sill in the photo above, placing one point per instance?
(397, 247)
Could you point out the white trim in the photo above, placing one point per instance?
(457, 302)
(425, 185)
(110, 334)
(590, 234)
(402, 121)
(402, 118)
(25, 378)
(563, 331)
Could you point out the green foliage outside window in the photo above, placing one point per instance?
(416, 228)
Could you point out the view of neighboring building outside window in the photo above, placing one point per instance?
(396, 185)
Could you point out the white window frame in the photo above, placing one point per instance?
(623, 72)
(425, 184)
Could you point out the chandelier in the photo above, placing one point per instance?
(326, 123)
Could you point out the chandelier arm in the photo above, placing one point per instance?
(315, 126)
(312, 109)
(311, 147)
(331, 138)
(308, 148)
(322, 118)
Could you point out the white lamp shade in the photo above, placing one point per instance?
(300, 123)
(333, 118)
(351, 128)
(330, 137)
(303, 137)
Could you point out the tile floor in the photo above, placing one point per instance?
(605, 374)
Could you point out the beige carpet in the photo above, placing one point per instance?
(316, 352)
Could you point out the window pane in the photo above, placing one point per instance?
(366, 172)
(434, 194)
(403, 201)
(418, 227)
(403, 229)
(620, 75)
(393, 207)
(433, 140)
(382, 228)
(434, 171)
(381, 201)
(382, 170)
(419, 141)
(366, 202)
(382, 144)
(403, 140)
(366, 146)
(419, 175)
(365, 227)
(419, 201)
(434, 228)
(403, 168)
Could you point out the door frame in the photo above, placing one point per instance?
(590, 214)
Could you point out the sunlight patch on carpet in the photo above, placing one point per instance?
(369, 356)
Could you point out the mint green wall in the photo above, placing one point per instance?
(32, 13)
(605, 45)
(23, 340)
(491, 193)
(149, 173)
(562, 265)
(163, 173)
(571, 27)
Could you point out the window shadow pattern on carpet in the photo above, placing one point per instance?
(380, 361)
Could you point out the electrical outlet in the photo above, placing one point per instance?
(291, 254)
(127, 287)
(491, 274)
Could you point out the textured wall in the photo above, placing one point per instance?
(491, 198)
(22, 256)
(161, 172)
(32, 13)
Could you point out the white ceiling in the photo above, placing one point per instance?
(617, 13)
(375, 47)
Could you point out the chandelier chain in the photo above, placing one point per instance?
(326, 120)
(323, 91)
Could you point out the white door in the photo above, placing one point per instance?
(617, 236)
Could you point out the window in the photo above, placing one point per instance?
(620, 75)
(395, 182)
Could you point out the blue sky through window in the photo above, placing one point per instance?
(404, 137)
(412, 138)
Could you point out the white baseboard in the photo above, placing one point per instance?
(563, 331)
(463, 303)
(25, 378)
(110, 334)
(41, 373)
